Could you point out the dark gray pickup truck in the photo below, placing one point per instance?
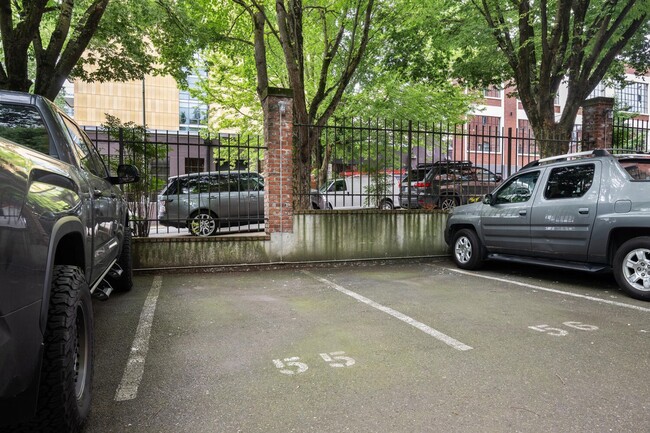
(588, 211)
(63, 235)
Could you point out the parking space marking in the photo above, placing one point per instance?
(404, 318)
(546, 289)
(128, 388)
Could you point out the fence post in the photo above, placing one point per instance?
(597, 119)
(120, 158)
(278, 139)
(509, 172)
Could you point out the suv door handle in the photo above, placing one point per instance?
(522, 212)
(97, 193)
(583, 210)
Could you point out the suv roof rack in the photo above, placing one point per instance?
(576, 155)
(446, 162)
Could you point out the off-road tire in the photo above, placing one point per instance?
(466, 250)
(125, 282)
(67, 370)
(632, 267)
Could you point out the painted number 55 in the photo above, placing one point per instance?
(558, 332)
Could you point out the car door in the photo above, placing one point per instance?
(505, 223)
(564, 215)
(251, 197)
(105, 224)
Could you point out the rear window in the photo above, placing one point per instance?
(24, 125)
(416, 175)
(638, 169)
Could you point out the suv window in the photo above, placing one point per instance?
(416, 175)
(24, 125)
(84, 149)
(204, 184)
(639, 170)
(569, 182)
(485, 175)
(518, 189)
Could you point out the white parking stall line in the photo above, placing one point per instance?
(546, 289)
(128, 388)
(404, 318)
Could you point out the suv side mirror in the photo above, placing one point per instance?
(487, 199)
(126, 173)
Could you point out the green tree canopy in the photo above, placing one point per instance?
(46, 41)
(545, 43)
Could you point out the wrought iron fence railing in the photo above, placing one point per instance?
(189, 183)
(205, 184)
(384, 165)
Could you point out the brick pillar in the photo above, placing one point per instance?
(278, 161)
(597, 125)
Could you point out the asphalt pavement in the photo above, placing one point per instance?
(401, 347)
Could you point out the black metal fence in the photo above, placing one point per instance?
(392, 165)
(631, 134)
(190, 183)
(201, 184)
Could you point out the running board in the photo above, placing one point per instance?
(115, 272)
(103, 291)
(578, 266)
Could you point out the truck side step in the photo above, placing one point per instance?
(103, 291)
(115, 271)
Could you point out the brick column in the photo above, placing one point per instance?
(278, 161)
(597, 125)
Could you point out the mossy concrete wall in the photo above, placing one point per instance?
(317, 236)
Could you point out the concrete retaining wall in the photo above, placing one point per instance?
(331, 236)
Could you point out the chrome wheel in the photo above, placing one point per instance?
(203, 224)
(636, 269)
(447, 203)
(631, 266)
(467, 251)
(463, 250)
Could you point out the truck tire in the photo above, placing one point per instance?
(67, 369)
(125, 282)
(632, 267)
(466, 250)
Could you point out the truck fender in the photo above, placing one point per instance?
(63, 227)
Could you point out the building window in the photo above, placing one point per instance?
(633, 97)
(484, 134)
(193, 114)
(492, 92)
(526, 144)
(194, 165)
(160, 168)
(598, 91)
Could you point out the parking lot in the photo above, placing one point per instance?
(406, 347)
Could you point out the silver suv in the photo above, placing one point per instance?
(588, 211)
(204, 202)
